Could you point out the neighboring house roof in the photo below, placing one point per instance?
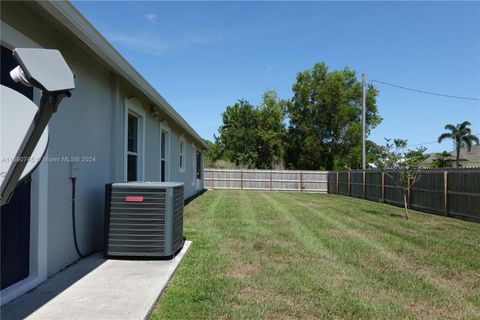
(465, 155)
(472, 155)
(69, 17)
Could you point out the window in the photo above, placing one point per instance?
(134, 140)
(181, 155)
(163, 155)
(132, 151)
(199, 165)
(194, 162)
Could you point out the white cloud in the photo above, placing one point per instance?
(139, 43)
(151, 17)
(157, 46)
(272, 66)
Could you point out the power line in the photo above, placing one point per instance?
(423, 143)
(441, 114)
(425, 92)
(424, 130)
(431, 142)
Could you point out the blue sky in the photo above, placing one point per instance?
(203, 56)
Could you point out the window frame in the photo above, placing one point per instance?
(198, 165)
(164, 128)
(134, 108)
(136, 153)
(194, 163)
(181, 154)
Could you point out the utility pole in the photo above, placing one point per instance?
(364, 114)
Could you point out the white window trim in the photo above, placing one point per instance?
(164, 127)
(198, 182)
(182, 154)
(134, 107)
(194, 165)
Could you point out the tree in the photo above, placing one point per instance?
(253, 137)
(325, 118)
(442, 160)
(353, 159)
(462, 137)
(403, 165)
(211, 154)
(237, 141)
(271, 131)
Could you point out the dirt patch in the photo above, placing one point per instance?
(285, 306)
(461, 281)
(253, 293)
(262, 295)
(243, 270)
(278, 219)
(336, 233)
(423, 311)
(282, 316)
(275, 241)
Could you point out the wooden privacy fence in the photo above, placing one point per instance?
(273, 180)
(452, 192)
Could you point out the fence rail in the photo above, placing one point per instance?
(453, 192)
(273, 180)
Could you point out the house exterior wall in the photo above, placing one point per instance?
(90, 125)
(80, 128)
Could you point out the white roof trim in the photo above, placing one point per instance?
(68, 16)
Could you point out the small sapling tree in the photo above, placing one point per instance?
(402, 164)
(442, 160)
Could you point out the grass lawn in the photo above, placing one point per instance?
(271, 255)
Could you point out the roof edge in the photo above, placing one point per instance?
(69, 17)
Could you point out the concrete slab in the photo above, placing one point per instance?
(95, 288)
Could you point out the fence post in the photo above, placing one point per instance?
(445, 191)
(241, 179)
(337, 184)
(301, 181)
(349, 186)
(271, 180)
(383, 186)
(364, 186)
(328, 182)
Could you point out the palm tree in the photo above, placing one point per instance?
(461, 135)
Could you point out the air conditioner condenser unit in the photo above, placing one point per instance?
(143, 219)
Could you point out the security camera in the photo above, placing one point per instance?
(42, 68)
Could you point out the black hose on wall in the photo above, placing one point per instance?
(73, 220)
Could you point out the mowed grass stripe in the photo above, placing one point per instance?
(368, 267)
(418, 240)
(200, 289)
(268, 255)
(412, 237)
(327, 268)
(454, 227)
(402, 269)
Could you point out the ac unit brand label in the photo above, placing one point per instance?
(134, 198)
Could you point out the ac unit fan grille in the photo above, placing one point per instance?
(177, 218)
(137, 228)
